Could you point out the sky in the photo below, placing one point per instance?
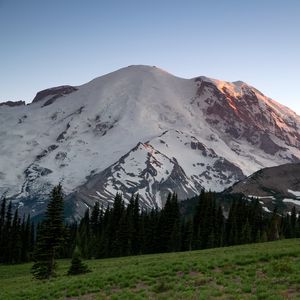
(50, 43)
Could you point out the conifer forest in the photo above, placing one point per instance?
(124, 230)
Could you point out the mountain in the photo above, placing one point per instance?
(174, 161)
(140, 129)
(276, 186)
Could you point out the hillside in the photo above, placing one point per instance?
(255, 271)
(140, 129)
(275, 186)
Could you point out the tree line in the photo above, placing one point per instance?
(16, 235)
(126, 229)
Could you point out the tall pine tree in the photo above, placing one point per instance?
(50, 237)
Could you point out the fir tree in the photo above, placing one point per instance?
(273, 232)
(187, 235)
(77, 266)
(2, 230)
(15, 246)
(26, 236)
(293, 222)
(169, 226)
(84, 235)
(50, 237)
(246, 233)
(135, 226)
(114, 225)
(231, 225)
(7, 234)
(219, 239)
(2, 214)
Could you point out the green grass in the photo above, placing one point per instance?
(257, 271)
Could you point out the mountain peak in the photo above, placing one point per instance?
(191, 134)
(147, 68)
(138, 69)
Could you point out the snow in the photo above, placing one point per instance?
(266, 209)
(108, 116)
(292, 201)
(261, 197)
(296, 193)
(195, 162)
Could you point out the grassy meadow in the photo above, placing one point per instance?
(256, 271)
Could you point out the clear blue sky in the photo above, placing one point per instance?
(48, 43)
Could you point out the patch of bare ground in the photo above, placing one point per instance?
(260, 274)
(140, 286)
(195, 274)
(115, 289)
(90, 296)
(217, 286)
(291, 293)
(180, 274)
(237, 280)
(217, 270)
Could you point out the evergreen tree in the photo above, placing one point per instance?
(151, 238)
(286, 227)
(206, 222)
(246, 233)
(241, 216)
(7, 235)
(231, 225)
(70, 240)
(208, 233)
(187, 235)
(105, 236)
(175, 237)
(263, 237)
(169, 226)
(135, 222)
(219, 238)
(2, 229)
(32, 238)
(298, 226)
(77, 266)
(122, 243)
(26, 236)
(94, 220)
(273, 230)
(114, 225)
(15, 246)
(50, 237)
(84, 235)
(95, 229)
(2, 215)
(255, 218)
(293, 222)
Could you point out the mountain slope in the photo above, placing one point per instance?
(172, 162)
(275, 186)
(144, 122)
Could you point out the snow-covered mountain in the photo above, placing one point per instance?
(140, 129)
